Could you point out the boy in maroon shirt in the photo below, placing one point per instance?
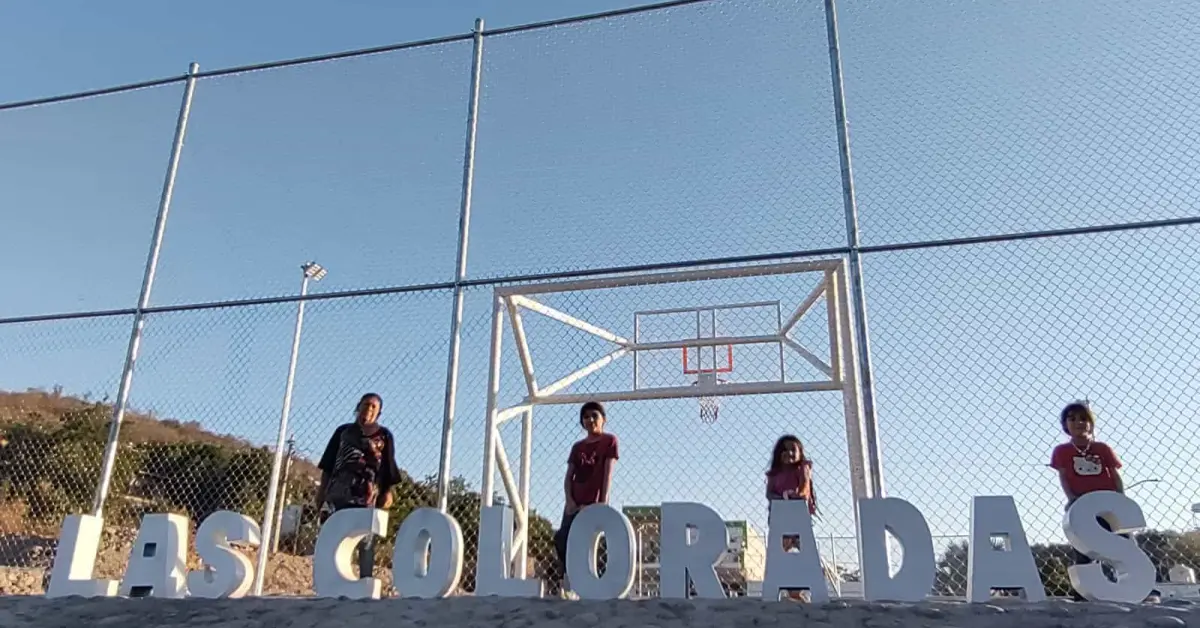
(1084, 464)
(589, 475)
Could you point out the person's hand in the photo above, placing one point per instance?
(571, 507)
(789, 494)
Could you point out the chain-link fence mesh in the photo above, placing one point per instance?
(356, 163)
(57, 380)
(74, 217)
(978, 348)
(710, 119)
(994, 117)
(672, 136)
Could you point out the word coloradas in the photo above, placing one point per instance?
(428, 558)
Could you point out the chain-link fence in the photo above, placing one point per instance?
(1023, 175)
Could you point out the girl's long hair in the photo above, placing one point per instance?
(784, 441)
(777, 465)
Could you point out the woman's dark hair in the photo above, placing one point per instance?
(777, 453)
(592, 405)
(374, 396)
(1081, 407)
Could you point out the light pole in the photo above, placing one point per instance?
(1195, 511)
(312, 271)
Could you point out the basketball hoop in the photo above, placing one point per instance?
(710, 406)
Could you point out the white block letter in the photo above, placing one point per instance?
(333, 571)
(697, 560)
(429, 543)
(1135, 572)
(493, 566)
(792, 570)
(582, 543)
(158, 560)
(1010, 566)
(226, 572)
(76, 558)
(914, 580)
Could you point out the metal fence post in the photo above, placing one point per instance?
(464, 230)
(139, 317)
(283, 492)
(858, 305)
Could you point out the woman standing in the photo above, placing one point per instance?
(358, 470)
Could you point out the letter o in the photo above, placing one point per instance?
(427, 560)
(582, 543)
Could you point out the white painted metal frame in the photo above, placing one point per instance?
(839, 373)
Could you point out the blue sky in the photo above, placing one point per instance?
(698, 132)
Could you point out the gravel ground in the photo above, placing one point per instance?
(467, 612)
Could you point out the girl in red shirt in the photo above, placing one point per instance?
(790, 477)
(790, 473)
(1084, 464)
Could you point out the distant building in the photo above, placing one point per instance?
(741, 569)
(741, 566)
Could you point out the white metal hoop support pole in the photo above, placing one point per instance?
(268, 524)
(859, 302)
(460, 275)
(521, 564)
(487, 485)
(139, 316)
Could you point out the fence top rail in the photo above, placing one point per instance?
(700, 274)
(92, 93)
(346, 54)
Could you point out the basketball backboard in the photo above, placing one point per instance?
(752, 330)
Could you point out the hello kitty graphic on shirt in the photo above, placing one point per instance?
(1087, 465)
(1086, 469)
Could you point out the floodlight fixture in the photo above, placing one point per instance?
(313, 271)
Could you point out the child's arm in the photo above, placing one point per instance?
(1119, 480)
(608, 473)
(805, 489)
(571, 506)
(1110, 459)
(1059, 462)
(1062, 480)
(610, 461)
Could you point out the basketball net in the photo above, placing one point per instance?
(710, 407)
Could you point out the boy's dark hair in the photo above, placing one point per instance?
(374, 396)
(592, 405)
(1081, 407)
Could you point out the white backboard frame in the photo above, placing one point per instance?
(839, 373)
